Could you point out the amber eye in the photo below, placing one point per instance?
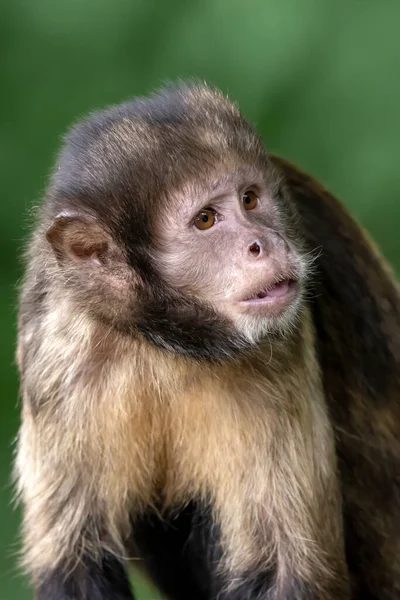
(250, 200)
(205, 219)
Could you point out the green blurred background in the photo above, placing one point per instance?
(319, 78)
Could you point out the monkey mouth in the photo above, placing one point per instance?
(281, 290)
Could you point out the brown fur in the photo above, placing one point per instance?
(356, 312)
(282, 441)
(130, 428)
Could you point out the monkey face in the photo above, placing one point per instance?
(227, 242)
(168, 220)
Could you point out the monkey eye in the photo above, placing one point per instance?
(250, 200)
(205, 219)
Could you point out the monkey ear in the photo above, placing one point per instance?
(79, 238)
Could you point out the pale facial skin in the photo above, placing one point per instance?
(225, 243)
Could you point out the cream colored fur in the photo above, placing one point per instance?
(121, 420)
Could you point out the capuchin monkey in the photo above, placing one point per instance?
(209, 352)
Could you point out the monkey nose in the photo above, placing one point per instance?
(255, 249)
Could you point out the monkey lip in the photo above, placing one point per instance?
(281, 291)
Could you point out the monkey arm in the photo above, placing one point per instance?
(356, 310)
(70, 551)
(67, 558)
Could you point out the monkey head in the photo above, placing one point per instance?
(166, 219)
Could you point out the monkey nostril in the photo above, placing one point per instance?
(255, 249)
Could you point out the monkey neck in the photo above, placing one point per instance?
(98, 357)
(156, 371)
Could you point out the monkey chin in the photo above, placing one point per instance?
(271, 311)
